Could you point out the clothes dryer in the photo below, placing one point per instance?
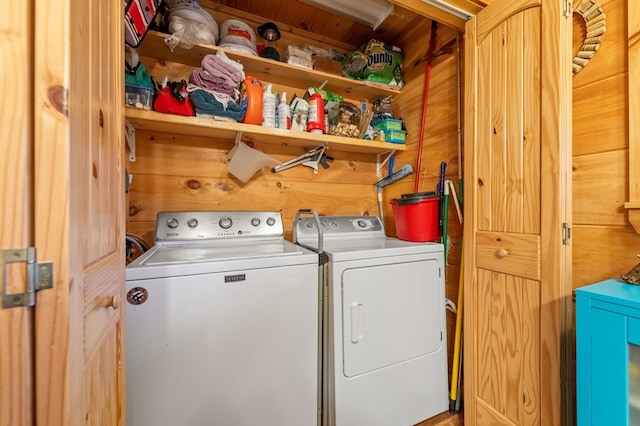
(384, 330)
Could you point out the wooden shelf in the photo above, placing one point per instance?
(633, 211)
(206, 127)
(267, 70)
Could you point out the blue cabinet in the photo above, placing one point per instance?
(608, 354)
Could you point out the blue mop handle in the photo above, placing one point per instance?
(405, 171)
(440, 191)
(440, 185)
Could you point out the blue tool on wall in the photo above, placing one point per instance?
(403, 172)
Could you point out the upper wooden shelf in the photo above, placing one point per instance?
(267, 70)
(207, 127)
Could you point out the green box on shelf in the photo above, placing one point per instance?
(389, 124)
(395, 136)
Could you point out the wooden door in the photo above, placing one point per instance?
(16, 402)
(63, 192)
(517, 160)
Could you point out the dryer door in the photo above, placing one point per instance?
(390, 314)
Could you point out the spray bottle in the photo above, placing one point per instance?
(268, 107)
(284, 112)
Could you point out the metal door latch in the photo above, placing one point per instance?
(39, 277)
(566, 234)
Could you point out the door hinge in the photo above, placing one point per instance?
(566, 234)
(567, 8)
(39, 277)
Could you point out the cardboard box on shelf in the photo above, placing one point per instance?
(328, 65)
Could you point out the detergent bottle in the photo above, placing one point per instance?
(251, 104)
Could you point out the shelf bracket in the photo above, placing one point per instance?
(381, 162)
(130, 134)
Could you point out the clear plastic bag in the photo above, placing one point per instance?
(186, 33)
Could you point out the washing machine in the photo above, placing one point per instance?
(384, 330)
(222, 324)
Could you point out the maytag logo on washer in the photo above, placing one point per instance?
(234, 278)
(137, 295)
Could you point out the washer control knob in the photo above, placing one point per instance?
(308, 225)
(333, 224)
(255, 221)
(192, 223)
(271, 221)
(173, 223)
(363, 224)
(225, 222)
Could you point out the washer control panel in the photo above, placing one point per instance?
(206, 225)
(339, 225)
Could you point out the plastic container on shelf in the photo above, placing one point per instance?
(315, 120)
(284, 112)
(251, 89)
(268, 107)
(237, 35)
(299, 114)
(137, 96)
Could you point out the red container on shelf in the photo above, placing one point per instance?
(315, 122)
(416, 216)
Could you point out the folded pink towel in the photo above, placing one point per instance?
(218, 66)
(215, 83)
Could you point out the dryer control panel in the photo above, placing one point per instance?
(340, 226)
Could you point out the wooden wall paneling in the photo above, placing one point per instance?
(610, 58)
(167, 154)
(311, 22)
(600, 188)
(604, 244)
(602, 252)
(167, 192)
(599, 116)
(633, 87)
(300, 24)
(440, 137)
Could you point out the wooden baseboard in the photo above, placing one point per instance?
(444, 419)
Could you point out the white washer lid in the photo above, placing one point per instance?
(190, 259)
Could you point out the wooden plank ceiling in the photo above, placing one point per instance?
(298, 15)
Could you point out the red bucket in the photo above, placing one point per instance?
(416, 216)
